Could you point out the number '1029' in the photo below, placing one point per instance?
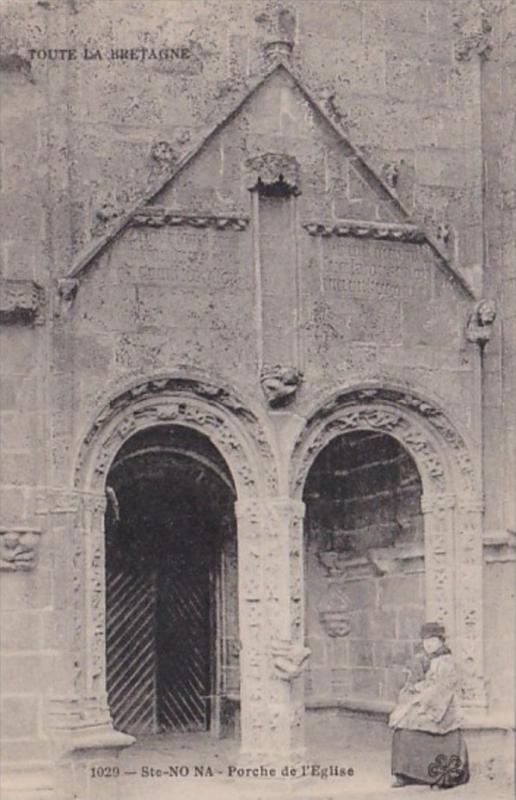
(104, 772)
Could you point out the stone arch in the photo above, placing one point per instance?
(241, 440)
(451, 503)
(209, 408)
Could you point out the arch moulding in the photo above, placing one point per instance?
(451, 505)
(240, 438)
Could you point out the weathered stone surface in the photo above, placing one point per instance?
(319, 271)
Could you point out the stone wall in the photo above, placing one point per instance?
(363, 502)
(409, 81)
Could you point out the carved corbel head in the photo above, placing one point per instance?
(66, 292)
(280, 384)
(18, 549)
(273, 174)
(480, 322)
(289, 659)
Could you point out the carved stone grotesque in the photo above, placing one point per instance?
(443, 233)
(163, 154)
(18, 549)
(20, 300)
(391, 173)
(473, 28)
(272, 172)
(480, 322)
(280, 384)
(289, 659)
(66, 292)
(110, 208)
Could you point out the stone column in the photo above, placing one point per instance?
(60, 507)
(453, 573)
(271, 607)
(438, 511)
(78, 710)
(469, 594)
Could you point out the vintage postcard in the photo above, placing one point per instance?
(257, 399)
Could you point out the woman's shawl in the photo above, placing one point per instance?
(431, 704)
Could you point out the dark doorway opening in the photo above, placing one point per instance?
(169, 524)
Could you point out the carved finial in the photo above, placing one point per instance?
(280, 40)
(278, 50)
(280, 384)
(473, 26)
(480, 322)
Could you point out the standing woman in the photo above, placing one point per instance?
(427, 745)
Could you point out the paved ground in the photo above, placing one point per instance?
(140, 778)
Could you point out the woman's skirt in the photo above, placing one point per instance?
(434, 758)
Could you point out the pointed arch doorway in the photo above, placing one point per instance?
(171, 614)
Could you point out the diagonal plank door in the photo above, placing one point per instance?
(158, 647)
(131, 650)
(183, 644)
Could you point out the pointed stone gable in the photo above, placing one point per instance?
(338, 193)
(280, 118)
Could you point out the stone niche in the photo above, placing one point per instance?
(364, 567)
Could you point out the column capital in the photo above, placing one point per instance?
(280, 503)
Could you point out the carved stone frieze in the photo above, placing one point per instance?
(157, 217)
(368, 230)
(272, 170)
(481, 321)
(21, 301)
(18, 548)
(280, 384)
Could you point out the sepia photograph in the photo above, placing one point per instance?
(257, 399)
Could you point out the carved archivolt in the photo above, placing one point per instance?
(420, 426)
(451, 505)
(211, 409)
